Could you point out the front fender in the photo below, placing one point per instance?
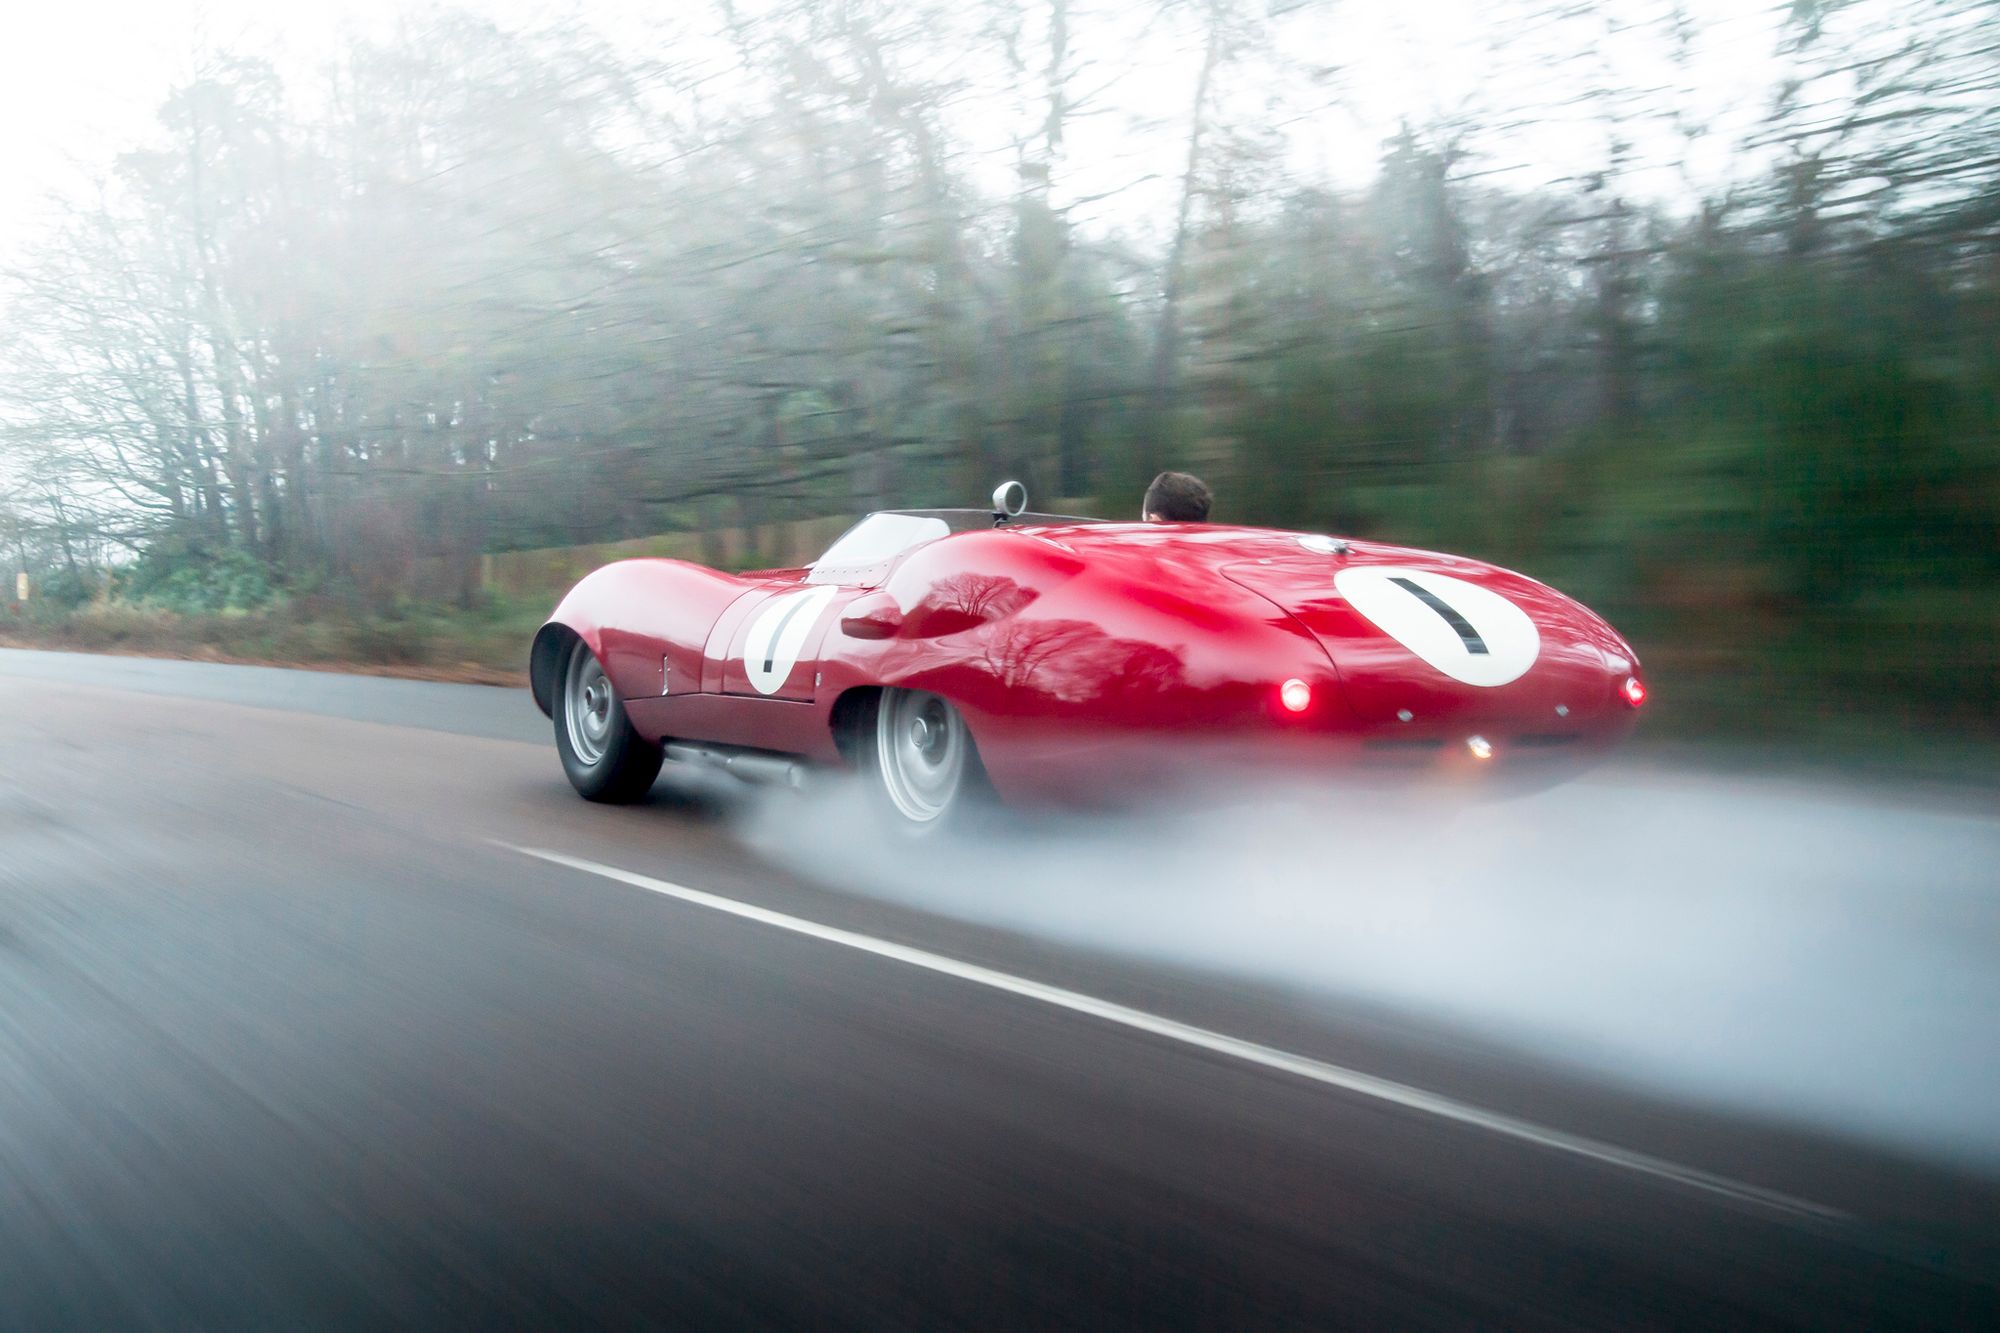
(641, 619)
(545, 661)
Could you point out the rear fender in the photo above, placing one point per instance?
(1067, 668)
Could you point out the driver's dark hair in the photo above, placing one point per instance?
(1178, 497)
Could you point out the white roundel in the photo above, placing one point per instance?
(1468, 632)
(778, 636)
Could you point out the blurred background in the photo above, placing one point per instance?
(353, 337)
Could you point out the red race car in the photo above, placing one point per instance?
(944, 653)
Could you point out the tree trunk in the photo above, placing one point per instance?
(1163, 392)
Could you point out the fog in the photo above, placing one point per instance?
(1816, 955)
(361, 343)
(361, 358)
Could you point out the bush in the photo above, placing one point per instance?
(190, 580)
(68, 589)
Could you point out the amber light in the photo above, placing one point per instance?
(1634, 691)
(1295, 695)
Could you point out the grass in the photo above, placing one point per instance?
(485, 645)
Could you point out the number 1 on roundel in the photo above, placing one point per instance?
(1462, 629)
(771, 650)
(778, 636)
(1470, 636)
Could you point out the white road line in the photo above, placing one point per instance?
(1318, 1071)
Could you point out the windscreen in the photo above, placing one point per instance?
(874, 541)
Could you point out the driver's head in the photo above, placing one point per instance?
(1177, 497)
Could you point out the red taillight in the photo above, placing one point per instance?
(1295, 695)
(1634, 691)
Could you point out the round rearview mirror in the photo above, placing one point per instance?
(1010, 498)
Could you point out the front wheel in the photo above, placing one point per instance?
(605, 759)
(920, 763)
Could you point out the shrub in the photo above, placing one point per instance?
(68, 589)
(190, 580)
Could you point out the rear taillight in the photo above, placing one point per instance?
(1633, 691)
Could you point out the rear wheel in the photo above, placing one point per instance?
(918, 757)
(605, 759)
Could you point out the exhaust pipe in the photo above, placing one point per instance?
(755, 766)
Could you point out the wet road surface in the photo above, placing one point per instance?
(291, 1034)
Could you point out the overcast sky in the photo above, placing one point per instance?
(79, 81)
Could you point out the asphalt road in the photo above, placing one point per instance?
(292, 1034)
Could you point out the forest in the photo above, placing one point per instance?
(325, 340)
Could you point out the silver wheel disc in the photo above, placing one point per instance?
(922, 745)
(587, 704)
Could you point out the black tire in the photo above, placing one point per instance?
(604, 758)
(919, 764)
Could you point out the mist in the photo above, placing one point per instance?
(1827, 957)
(358, 336)
(362, 360)
(372, 340)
